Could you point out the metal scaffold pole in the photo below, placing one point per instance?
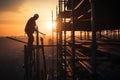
(94, 43)
(59, 48)
(37, 54)
(52, 47)
(44, 60)
(65, 42)
(73, 42)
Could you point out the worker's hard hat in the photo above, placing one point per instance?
(36, 15)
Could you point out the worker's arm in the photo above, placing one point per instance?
(36, 29)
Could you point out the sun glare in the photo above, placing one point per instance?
(51, 25)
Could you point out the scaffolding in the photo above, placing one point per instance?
(32, 60)
(87, 41)
(86, 31)
(33, 54)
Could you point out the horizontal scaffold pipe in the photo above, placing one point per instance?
(17, 40)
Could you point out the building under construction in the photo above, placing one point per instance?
(88, 40)
(87, 43)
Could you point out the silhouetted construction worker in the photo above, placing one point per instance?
(30, 28)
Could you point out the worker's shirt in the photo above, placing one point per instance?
(30, 26)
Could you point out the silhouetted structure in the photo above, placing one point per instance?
(30, 28)
(94, 53)
(32, 61)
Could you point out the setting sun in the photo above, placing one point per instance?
(51, 25)
(14, 16)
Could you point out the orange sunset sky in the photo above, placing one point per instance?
(15, 13)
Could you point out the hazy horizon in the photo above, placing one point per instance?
(15, 13)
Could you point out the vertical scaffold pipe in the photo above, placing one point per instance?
(94, 44)
(52, 47)
(65, 75)
(60, 70)
(44, 60)
(73, 42)
(25, 63)
(37, 55)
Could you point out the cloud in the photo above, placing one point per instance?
(10, 5)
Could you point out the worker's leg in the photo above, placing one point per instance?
(30, 39)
